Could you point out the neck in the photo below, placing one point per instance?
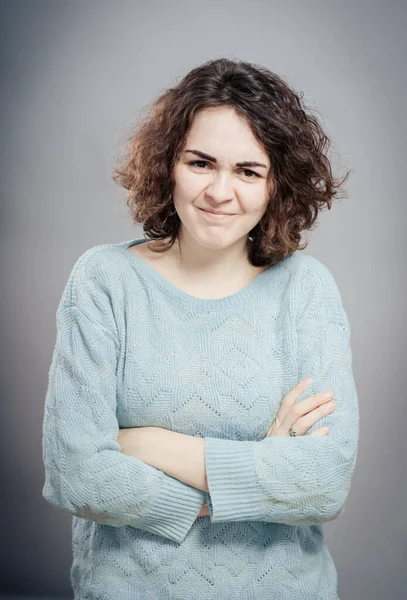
(194, 259)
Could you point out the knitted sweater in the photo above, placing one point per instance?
(133, 350)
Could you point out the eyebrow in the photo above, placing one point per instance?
(246, 163)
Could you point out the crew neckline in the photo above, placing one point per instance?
(169, 288)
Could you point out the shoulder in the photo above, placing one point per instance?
(315, 290)
(93, 276)
(308, 266)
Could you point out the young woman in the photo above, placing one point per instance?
(187, 423)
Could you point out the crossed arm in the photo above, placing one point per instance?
(303, 480)
(179, 455)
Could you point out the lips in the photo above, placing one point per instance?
(216, 213)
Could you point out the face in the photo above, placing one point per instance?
(207, 176)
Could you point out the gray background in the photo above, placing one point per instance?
(75, 75)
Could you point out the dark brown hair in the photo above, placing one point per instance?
(300, 173)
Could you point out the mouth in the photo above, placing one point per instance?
(216, 216)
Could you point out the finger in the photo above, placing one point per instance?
(296, 392)
(303, 417)
(309, 404)
(274, 424)
(320, 431)
(308, 420)
(290, 398)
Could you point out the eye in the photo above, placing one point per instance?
(252, 172)
(203, 162)
(198, 162)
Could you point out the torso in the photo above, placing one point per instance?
(165, 264)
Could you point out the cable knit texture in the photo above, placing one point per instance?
(134, 350)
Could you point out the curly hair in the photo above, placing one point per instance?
(301, 175)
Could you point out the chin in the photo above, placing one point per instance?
(218, 240)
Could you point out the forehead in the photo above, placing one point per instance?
(222, 132)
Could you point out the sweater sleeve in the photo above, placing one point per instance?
(301, 480)
(86, 474)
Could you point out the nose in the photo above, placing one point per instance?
(220, 188)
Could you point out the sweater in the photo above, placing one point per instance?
(134, 350)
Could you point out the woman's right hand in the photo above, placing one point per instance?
(300, 416)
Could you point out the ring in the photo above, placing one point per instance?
(292, 432)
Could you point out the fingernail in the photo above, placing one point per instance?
(308, 380)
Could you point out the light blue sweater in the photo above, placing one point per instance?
(133, 350)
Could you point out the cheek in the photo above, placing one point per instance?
(188, 184)
(256, 201)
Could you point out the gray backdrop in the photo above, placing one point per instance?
(74, 75)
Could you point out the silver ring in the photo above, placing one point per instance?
(292, 432)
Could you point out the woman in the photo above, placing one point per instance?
(186, 424)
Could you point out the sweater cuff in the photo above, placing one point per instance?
(230, 472)
(173, 510)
